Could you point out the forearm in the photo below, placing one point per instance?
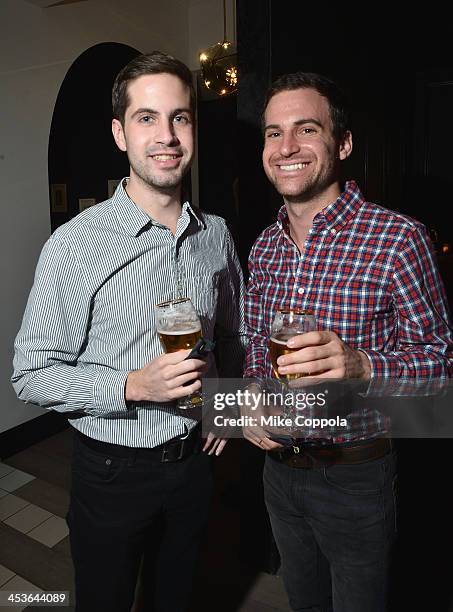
(423, 349)
(409, 365)
(255, 362)
(257, 347)
(95, 390)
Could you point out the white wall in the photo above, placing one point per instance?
(206, 26)
(37, 47)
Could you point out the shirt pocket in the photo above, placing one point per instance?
(203, 274)
(202, 289)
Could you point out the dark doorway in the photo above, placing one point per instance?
(83, 156)
(217, 156)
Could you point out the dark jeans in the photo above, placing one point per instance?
(334, 528)
(122, 508)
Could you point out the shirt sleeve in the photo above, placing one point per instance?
(47, 366)
(255, 364)
(424, 344)
(229, 329)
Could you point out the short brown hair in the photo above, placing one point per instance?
(149, 63)
(334, 95)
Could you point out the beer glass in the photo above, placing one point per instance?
(179, 328)
(288, 323)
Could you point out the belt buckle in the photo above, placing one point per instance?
(165, 452)
(322, 461)
(164, 456)
(181, 449)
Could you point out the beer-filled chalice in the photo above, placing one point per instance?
(179, 328)
(288, 323)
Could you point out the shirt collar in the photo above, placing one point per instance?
(336, 214)
(345, 206)
(283, 219)
(134, 219)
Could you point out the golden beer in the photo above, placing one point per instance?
(179, 340)
(286, 325)
(278, 347)
(179, 329)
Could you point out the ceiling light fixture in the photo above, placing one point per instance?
(218, 63)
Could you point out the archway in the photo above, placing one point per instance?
(82, 156)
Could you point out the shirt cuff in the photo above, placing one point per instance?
(108, 392)
(383, 372)
(254, 373)
(381, 367)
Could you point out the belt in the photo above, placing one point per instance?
(312, 457)
(175, 449)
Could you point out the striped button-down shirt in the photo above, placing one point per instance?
(89, 320)
(369, 275)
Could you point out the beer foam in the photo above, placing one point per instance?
(283, 342)
(180, 332)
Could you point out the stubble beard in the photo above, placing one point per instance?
(168, 182)
(312, 187)
(310, 191)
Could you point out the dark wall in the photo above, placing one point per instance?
(398, 70)
(396, 63)
(217, 157)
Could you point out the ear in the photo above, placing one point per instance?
(118, 135)
(345, 147)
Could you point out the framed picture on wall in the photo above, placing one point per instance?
(86, 203)
(58, 198)
(112, 185)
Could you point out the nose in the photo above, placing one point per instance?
(165, 133)
(288, 144)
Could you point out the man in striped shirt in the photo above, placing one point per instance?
(369, 276)
(88, 347)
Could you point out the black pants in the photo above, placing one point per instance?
(124, 507)
(334, 528)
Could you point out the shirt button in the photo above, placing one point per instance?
(333, 231)
(300, 290)
(108, 462)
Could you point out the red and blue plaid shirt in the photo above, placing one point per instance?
(368, 274)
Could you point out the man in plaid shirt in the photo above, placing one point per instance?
(370, 278)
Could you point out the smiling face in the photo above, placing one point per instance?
(158, 131)
(301, 155)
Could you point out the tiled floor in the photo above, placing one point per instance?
(17, 584)
(14, 480)
(32, 527)
(34, 543)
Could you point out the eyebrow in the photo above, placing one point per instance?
(275, 126)
(151, 111)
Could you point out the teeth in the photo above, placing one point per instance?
(291, 167)
(164, 157)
